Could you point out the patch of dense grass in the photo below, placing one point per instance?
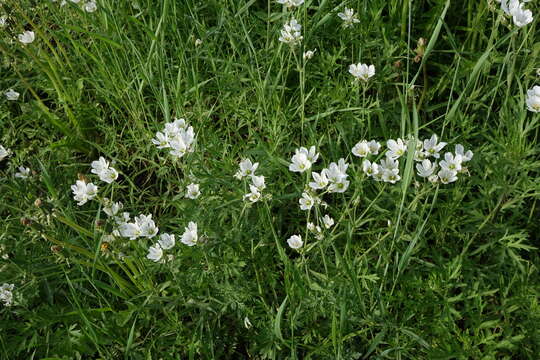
(411, 270)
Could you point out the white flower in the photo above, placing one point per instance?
(3, 21)
(166, 241)
(90, 7)
(190, 236)
(339, 187)
(161, 140)
(254, 195)
(6, 294)
(246, 169)
(349, 17)
(369, 168)
(27, 37)
(146, 225)
(109, 175)
(193, 191)
(111, 209)
(451, 162)
(374, 147)
(465, 156)
(290, 3)
(12, 95)
(361, 149)
(390, 164)
(99, 166)
(521, 16)
(130, 230)
(311, 226)
(426, 168)
(311, 154)
(432, 147)
(299, 162)
(182, 142)
(396, 148)
(23, 173)
(328, 221)
(4, 153)
(390, 176)
(306, 201)
(320, 181)
(362, 71)
(309, 54)
(433, 179)
(82, 192)
(447, 176)
(258, 182)
(533, 99)
(290, 34)
(198, 42)
(155, 253)
(389, 171)
(295, 242)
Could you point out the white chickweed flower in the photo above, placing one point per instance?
(192, 191)
(6, 294)
(307, 201)
(362, 71)
(349, 17)
(370, 168)
(328, 221)
(166, 241)
(90, 7)
(295, 242)
(465, 156)
(426, 168)
(23, 173)
(374, 147)
(190, 236)
(198, 42)
(290, 34)
(111, 209)
(82, 192)
(521, 16)
(258, 182)
(433, 147)
(4, 153)
(451, 162)
(101, 168)
(290, 3)
(361, 149)
(396, 148)
(155, 253)
(309, 54)
(3, 21)
(27, 37)
(12, 95)
(246, 169)
(447, 176)
(146, 225)
(254, 195)
(299, 162)
(320, 181)
(533, 99)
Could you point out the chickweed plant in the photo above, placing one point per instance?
(270, 179)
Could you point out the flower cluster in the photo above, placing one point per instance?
(247, 169)
(102, 169)
(290, 34)
(83, 191)
(141, 226)
(190, 237)
(515, 9)
(176, 136)
(6, 294)
(303, 159)
(533, 100)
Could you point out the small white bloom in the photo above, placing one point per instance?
(426, 168)
(465, 156)
(396, 148)
(369, 168)
(258, 182)
(290, 3)
(349, 17)
(193, 191)
(328, 221)
(451, 162)
(27, 37)
(295, 242)
(161, 140)
(4, 153)
(362, 71)
(374, 147)
(533, 99)
(3, 21)
(299, 162)
(99, 166)
(433, 179)
(12, 95)
(166, 241)
(254, 195)
(320, 181)
(146, 225)
(306, 201)
(339, 187)
(130, 230)
(521, 16)
(390, 176)
(82, 192)
(155, 253)
(90, 7)
(311, 226)
(190, 236)
(447, 176)
(111, 209)
(6, 294)
(433, 147)
(198, 42)
(290, 34)
(246, 169)
(23, 173)
(109, 175)
(361, 149)
(390, 164)
(309, 54)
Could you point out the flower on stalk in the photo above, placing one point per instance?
(176, 136)
(374, 147)
(307, 201)
(396, 148)
(12, 95)
(432, 147)
(290, 3)
(4, 153)
(337, 176)
(328, 221)
(295, 242)
(192, 191)
(389, 170)
(370, 168)
(349, 17)
(90, 7)
(447, 176)
(308, 54)
(246, 169)
(533, 99)
(190, 236)
(362, 71)
(102, 169)
(299, 162)
(155, 253)
(465, 156)
(320, 181)
(451, 162)
(426, 168)
(166, 241)
(112, 208)
(290, 34)
(27, 37)
(82, 192)
(6, 294)
(23, 173)
(361, 149)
